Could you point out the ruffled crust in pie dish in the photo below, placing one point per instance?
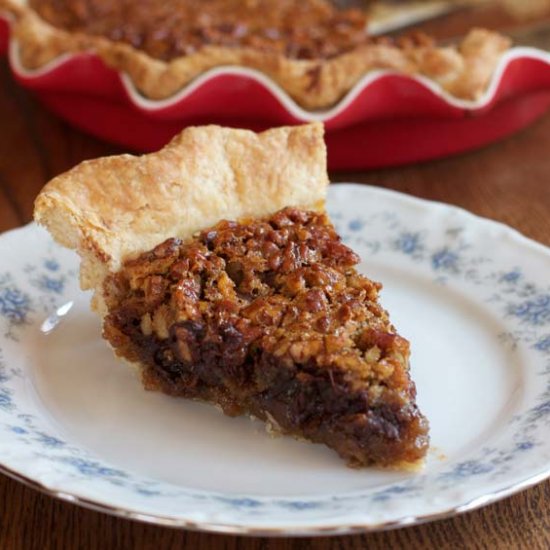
(314, 83)
(264, 314)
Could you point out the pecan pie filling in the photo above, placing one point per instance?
(309, 29)
(270, 318)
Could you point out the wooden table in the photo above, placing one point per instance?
(509, 182)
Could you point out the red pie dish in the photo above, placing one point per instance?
(386, 118)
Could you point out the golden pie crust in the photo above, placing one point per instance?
(463, 70)
(114, 208)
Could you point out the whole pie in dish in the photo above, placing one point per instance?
(313, 50)
(218, 273)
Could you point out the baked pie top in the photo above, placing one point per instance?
(315, 52)
(308, 29)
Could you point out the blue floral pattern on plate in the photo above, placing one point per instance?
(453, 248)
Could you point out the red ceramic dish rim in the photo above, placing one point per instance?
(150, 106)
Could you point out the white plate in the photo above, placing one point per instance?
(473, 297)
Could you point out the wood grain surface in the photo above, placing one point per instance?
(508, 182)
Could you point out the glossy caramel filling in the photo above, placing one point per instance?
(270, 318)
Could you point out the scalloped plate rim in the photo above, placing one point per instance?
(306, 531)
(327, 529)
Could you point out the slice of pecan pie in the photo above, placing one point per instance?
(218, 273)
(313, 50)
